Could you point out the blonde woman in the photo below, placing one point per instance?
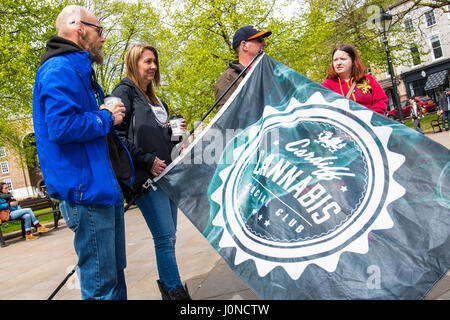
(146, 125)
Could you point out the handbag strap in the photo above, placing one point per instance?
(350, 91)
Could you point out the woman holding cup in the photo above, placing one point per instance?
(146, 125)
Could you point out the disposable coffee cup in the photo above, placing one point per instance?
(175, 125)
(111, 100)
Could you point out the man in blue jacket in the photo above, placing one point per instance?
(73, 131)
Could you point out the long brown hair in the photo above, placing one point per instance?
(358, 67)
(1, 186)
(131, 60)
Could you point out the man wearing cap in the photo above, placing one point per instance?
(247, 42)
(444, 103)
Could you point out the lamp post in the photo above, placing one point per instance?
(383, 22)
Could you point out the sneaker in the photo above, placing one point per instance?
(30, 237)
(43, 229)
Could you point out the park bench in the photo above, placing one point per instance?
(436, 123)
(36, 204)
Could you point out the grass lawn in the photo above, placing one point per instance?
(14, 226)
(424, 123)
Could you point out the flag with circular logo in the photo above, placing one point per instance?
(308, 195)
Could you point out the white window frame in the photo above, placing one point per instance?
(9, 184)
(2, 164)
(440, 45)
(412, 55)
(2, 152)
(431, 14)
(409, 25)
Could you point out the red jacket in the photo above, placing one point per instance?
(368, 92)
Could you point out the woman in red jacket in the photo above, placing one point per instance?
(347, 67)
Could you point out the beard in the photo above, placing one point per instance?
(97, 54)
(95, 49)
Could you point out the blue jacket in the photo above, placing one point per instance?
(5, 205)
(71, 132)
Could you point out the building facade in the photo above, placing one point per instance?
(426, 72)
(23, 182)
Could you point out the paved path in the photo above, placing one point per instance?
(32, 270)
(441, 137)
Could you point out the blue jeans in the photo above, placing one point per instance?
(25, 214)
(417, 125)
(160, 213)
(445, 115)
(100, 246)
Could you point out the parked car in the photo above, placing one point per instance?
(427, 104)
(406, 111)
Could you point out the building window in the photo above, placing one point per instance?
(430, 18)
(436, 46)
(4, 166)
(415, 55)
(9, 184)
(409, 25)
(2, 152)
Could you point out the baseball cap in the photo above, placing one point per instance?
(448, 89)
(248, 33)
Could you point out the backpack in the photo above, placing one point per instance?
(4, 215)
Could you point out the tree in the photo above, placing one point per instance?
(124, 24)
(25, 25)
(194, 39)
(201, 47)
(433, 4)
(314, 33)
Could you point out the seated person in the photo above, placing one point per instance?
(11, 211)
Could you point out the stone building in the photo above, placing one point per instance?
(427, 71)
(22, 181)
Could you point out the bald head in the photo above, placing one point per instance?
(77, 24)
(69, 18)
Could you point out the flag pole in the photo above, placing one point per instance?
(260, 52)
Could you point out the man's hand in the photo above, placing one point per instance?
(158, 167)
(117, 110)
